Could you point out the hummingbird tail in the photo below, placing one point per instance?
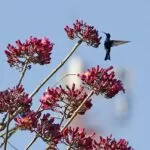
(107, 57)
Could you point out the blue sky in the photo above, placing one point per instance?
(126, 20)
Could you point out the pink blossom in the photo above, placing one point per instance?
(102, 81)
(13, 99)
(84, 32)
(69, 98)
(34, 50)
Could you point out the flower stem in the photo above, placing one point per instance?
(66, 75)
(77, 110)
(10, 131)
(56, 69)
(23, 72)
(7, 129)
(9, 144)
(32, 141)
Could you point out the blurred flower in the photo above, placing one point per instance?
(68, 98)
(28, 121)
(43, 126)
(77, 139)
(13, 99)
(73, 98)
(48, 130)
(84, 32)
(101, 81)
(33, 51)
(50, 98)
(110, 143)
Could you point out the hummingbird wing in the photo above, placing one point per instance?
(118, 42)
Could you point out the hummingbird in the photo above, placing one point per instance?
(110, 43)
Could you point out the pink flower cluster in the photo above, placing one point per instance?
(28, 121)
(84, 32)
(58, 99)
(34, 51)
(13, 99)
(76, 138)
(49, 130)
(110, 143)
(15, 104)
(43, 126)
(102, 81)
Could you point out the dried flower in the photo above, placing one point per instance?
(13, 99)
(33, 51)
(101, 81)
(84, 32)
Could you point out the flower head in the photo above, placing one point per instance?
(77, 138)
(43, 126)
(59, 98)
(13, 99)
(112, 144)
(49, 130)
(73, 98)
(84, 32)
(28, 121)
(50, 98)
(102, 81)
(34, 50)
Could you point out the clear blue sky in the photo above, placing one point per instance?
(128, 20)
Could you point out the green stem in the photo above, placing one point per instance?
(56, 69)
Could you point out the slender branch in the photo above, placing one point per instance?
(12, 146)
(32, 141)
(66, 75)
(77, 110)
(62, 119)
(3, 124)
(39, 108)
(69, 147)
(56, 69)
(9, 144)
(23, 72)
(7, 129)
(10, 131)
(5, 116)
(15, 113)
(10, 134)
(63, 116)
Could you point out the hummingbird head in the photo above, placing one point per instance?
(107, 35)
